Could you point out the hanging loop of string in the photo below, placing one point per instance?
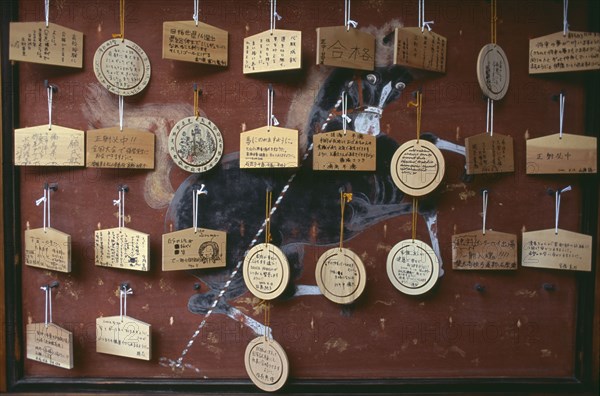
(51, 89)
(485, 206)
(48, 302)
(268, 207)
(489, 120)
(45, 199)
(121, 34)
(121, 111)
(47, 11)
(561, 102)
(47, 305)
(345, 118)
(274, 17)
(415, 213)
(418, 103)
(557, 195)
(197, 93)
(348, 22)
(196, 15)
(195, 195)
(124, 290)
(344, 198)
(267, 320)
(422, 23)
(271, 119)
(493, 21)
(565, 22)
(120, 203)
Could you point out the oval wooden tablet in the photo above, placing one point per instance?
(417, 167)
(266, 363)
(195, 144)
(266, 271)
(493, 72)
(412, 267)
(122, 67)
(341, 275)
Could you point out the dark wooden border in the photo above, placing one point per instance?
(587, 367)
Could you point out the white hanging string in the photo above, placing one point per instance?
(46, 208)
(120, 203)
(121, 111)
(561, 102)
(271, 119)
(347, 21)
(557, 195)
(274, 15)
(345, 118)
(485, 205)
(47, 305)
(565, 23)
(489, 122)
(196, 15)
(47, 11)
(195, 195)
(123, 292)
(422, 23)
(50, 90)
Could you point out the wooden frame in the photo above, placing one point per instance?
(587, 366)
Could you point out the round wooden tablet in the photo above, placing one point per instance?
(266, 363)
(122, 67)
(417, 167)
(195, 144)
(412, 267)
(493, 73)
(266, 271)
(341, 275)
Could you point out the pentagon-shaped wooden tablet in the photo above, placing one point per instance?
(266, 363)
(490, 251)
(349, 48)
(124, 336)
(273, 50)
(341, 275)
(40, 146)
(344, 151)
(48, 248)
(194, 249)
(123, 248)
(556, 52)
(493, 72)
(126, 149)
(266, 271)
(487, 153)
(420, 49)
(565, 250)
(51, 45)
(49, 344)
(264, 148)
(122, 67)
(417, 167)
(569, 154)
(184, 41)
(412, 267)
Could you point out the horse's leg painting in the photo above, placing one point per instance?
(305, 211)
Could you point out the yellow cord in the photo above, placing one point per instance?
(121, 21)
(414, 218)
(418, 103)
(196, 102)
(344, 197)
